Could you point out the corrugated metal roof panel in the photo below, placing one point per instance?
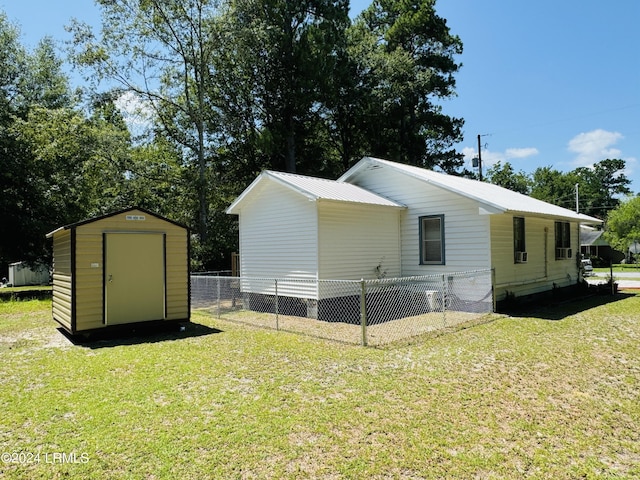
(488, 194)
(316, 189)
(323, 189)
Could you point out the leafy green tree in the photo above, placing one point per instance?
(162, 51)
(554, 186)
(351, 98)
(411, 68)
(601, 186)
(59, 165)
(506, 177)
(78, 164)
(29, 83)
(623, 224)
(43, 82)
(288, 52)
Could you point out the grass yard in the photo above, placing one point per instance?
(16, 293)
(619, 268)
(553, 396)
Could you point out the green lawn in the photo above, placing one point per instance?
(619, 268)
(552, 396)
(7, 293)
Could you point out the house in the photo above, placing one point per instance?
(124, 268)
(305, 228)
(593, 245)
(405, 221)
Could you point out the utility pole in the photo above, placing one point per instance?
(479, 157)
(577, 198)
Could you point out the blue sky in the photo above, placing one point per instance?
(547, 83)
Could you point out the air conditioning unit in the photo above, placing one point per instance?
(563, 253)
(521, 257)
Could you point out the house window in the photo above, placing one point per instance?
(563, 240)
(432, 240)
(519, 247)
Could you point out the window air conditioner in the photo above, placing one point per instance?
(521, 257)
(563, 253)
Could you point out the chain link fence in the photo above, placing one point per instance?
(367, 312)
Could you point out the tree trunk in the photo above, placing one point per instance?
(290, 159)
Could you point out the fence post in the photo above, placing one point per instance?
(493, 288)
(363, 311)
(277, 306)
(444, 301)
(218, 284)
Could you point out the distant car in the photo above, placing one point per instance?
(587, 267)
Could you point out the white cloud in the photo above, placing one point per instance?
(137, 112)
(592, 147)
(520, 152)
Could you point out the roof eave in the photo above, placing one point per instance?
(51, 234)
(232, 209)
(580, 218)
(395, 205)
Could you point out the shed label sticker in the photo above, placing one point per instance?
(136, 218)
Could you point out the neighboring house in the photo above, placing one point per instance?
(593, 244)
(407, 221)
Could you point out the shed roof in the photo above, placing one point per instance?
(492, 198)
(316, 189)
(112, 214)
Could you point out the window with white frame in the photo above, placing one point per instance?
(432, 240)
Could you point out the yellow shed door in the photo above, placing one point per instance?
(134, 277)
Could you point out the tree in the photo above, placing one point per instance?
(30, 85)
(42, 82)
(162, 51)
(411, 68)
(288, 52)
(505, 176)
(77, 165)
(601, 186)
(554, 186)
(598, 187)
(623, 224)
(351, 98)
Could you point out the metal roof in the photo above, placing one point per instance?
(592, 237)
(317, 189)
(493, 198)
(112, 214)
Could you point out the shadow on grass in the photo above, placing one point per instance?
(140, 334)
(558, 310)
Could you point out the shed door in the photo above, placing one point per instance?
(134, 283)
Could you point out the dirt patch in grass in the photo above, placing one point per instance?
(382, 333)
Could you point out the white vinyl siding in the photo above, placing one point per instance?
(466, 232)
(278, 239)
(355, 239)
